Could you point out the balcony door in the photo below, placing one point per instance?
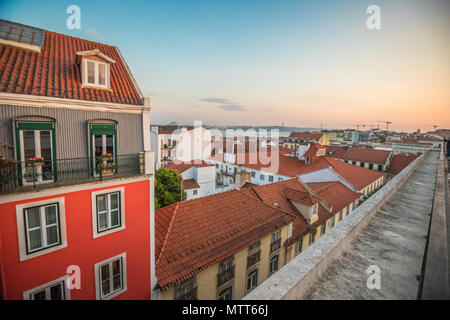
(103, 141)
(36, 152)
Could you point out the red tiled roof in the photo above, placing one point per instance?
(203, 231)
(355, 175)
(336, 151)
(291, 167)
(189, 184)
(367, 155)
(399, 162)
(273, 194)
(334, 193)
(303, 197)
(55, 72)
(183, 166)
(306, 135)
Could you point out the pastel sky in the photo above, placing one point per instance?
(304, 63)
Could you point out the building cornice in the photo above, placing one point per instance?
(52, 102)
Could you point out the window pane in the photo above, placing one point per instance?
(117, 282)
(115, 218)
(29, 146)
(35, 239)
(116, 267)
(102, 221)
(56, 292)
(105, 287)
(50, 215)
(46, 153)
(98, 145)
(101, 74)
(33, 217)
(52, 235)
(39, 295)
(114, 201)
(90, 72)
(104, 271)
(101, 203)
(110, 143)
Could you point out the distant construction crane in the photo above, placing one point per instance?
(433, 125)
(387, 124)
(359, 125)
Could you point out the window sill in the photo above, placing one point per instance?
(93, 86)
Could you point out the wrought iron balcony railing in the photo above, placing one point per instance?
(225, 276)
(38, 173)
(254, 258)
(275, 245)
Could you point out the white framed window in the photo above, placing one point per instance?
(96, 74)
(108, 211)
(252, 280)
(195, 192)
(226, 294)
(54, 290)
(111, 277)
(273, 265)
(41, 227)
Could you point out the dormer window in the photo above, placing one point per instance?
(97, 73)
(95, 69)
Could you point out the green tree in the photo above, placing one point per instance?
(167, 187)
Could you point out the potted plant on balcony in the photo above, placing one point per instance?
(107, 156)
(4, 162)
(34, 162)
(106, 168)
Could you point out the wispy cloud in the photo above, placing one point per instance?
(91, 32)
(232, 107)
(225, 104)
(216, 100)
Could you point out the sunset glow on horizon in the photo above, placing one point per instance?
(301, 63)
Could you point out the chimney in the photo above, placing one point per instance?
(240, 178)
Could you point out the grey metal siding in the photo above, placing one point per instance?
(72, 129)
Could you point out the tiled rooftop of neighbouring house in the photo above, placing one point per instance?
(195, 234)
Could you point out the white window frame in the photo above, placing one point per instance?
(37, 146)
(95, 233)
(21, 232)
(96, 75)
(98, 289)
(277, 256)
(255, 282)
(27, 295)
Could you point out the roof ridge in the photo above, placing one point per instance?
(272, 207)
(166, 236)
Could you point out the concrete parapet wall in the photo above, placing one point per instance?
(435, 284)
(294, 280)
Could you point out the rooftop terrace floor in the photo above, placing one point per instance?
(394, 240)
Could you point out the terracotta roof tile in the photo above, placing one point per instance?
(399, 162)
(55, 72)
(306, 135)
(203, 231)
(189, 184)
(182, 166)
(367, 155)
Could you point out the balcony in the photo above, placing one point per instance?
(37, 173)
(254, 258)
(225, 276)
(275, 245)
